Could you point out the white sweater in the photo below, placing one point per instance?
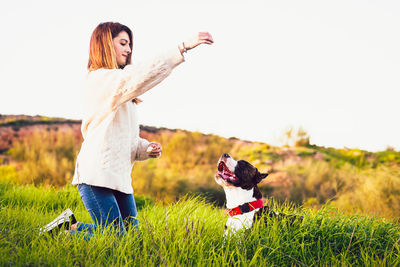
(110, 126)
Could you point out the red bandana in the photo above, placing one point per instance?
(246, 207)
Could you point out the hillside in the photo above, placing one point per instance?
(42, 150)
(17, 127)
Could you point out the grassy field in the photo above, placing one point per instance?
(188, 233)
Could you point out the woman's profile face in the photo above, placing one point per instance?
(121, 46)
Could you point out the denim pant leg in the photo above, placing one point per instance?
(89, 228)
(127, 207)
(84, 229)
(102, 206)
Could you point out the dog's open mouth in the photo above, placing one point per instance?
(225, 173)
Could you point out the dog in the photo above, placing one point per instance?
(244, 203)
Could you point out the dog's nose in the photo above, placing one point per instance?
(225, 155)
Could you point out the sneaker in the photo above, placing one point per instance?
(65, 219)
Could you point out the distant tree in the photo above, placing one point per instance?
(302, 138)
(287, 136)
(295, 137)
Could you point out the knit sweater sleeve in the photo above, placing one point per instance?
(107, 89)
(134, 80)
(141, 153)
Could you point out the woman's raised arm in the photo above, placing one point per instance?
(195, 40)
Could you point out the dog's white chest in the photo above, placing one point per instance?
(235, 197)
(240, 222)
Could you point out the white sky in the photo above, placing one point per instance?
(331, 67)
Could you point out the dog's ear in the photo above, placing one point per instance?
(259, 176)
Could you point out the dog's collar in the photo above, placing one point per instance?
(246, 207)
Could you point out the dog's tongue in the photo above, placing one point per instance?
(226, 175)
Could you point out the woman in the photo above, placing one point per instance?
(110, 126)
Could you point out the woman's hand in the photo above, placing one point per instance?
(154, 150)
(198, 39)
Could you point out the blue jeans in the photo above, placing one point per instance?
(107, 207)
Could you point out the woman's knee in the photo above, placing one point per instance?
(101, 204)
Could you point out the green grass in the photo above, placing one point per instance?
(188, 233)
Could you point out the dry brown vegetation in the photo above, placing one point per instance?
(349, 179)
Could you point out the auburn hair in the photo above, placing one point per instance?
(101, 52)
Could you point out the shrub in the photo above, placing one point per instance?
(46, 157)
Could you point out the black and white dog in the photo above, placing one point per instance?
(244, 203)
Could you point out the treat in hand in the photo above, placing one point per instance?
(154, 150)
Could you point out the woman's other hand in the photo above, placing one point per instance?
(198, 39)
(154, 150)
